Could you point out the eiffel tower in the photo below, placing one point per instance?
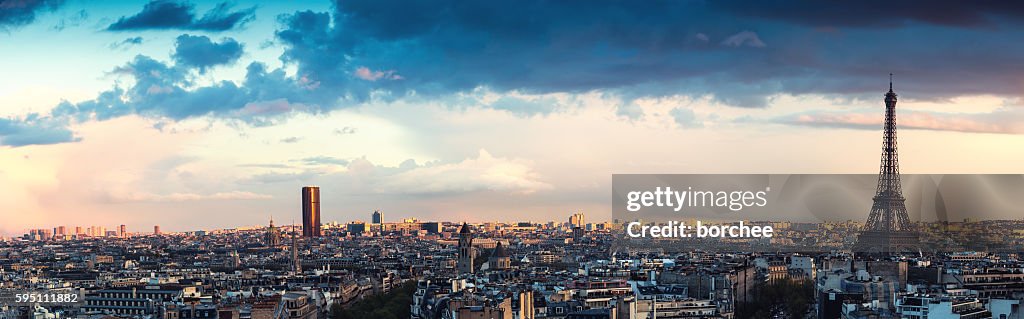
(888, 229)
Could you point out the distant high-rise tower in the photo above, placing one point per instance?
(888, 228)
(122, 231)
(576, 220)
(156, 230)
(378, 217)
(310, 211)
(466, 253)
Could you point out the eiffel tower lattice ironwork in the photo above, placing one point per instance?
(888, 228)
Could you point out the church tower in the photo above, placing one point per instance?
(466, 253)
(296, 263)
(273, 236)
(500, 259)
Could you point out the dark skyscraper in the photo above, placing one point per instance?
(378, 217)
(311, 211)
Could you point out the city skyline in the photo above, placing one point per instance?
(99, 230)
(514, 159)
(192, 124)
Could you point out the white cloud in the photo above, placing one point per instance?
(183, 197)
(483, 173)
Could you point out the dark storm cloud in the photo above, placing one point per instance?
(457, 46)
(16, 13)
(657, 48)
(432, 49)
(636, 50)
(170, 14)
(201, 53)
(876, 13)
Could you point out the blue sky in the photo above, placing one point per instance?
(503, 110)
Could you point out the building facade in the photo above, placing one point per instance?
(310, 211)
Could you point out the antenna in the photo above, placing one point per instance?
(890, 82)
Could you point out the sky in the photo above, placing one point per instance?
(206, 115)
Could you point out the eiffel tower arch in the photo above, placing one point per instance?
(888, 229)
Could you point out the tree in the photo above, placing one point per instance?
(783, 298)
(392, 305)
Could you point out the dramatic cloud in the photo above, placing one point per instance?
(171, 14)
(164, 91)
(201, 53)
(16, 13)
(647, 49)
(454, 47)
(877, 13)
(387, 50)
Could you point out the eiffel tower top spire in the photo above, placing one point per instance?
(890, 97)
